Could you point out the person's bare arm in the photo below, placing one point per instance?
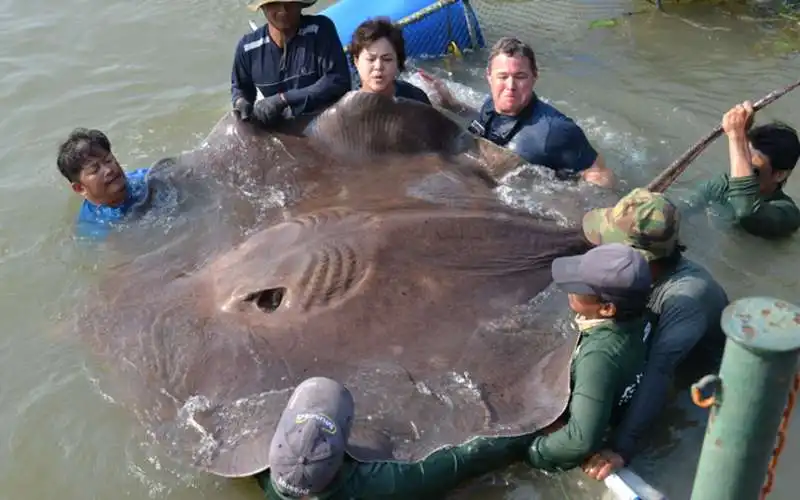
(735, 124)
(443, 98)
(599, 174)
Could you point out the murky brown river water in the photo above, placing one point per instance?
(154, 74)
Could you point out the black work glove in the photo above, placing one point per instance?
(243, 109)
(269, 110)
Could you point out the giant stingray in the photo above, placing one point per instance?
(388, 263)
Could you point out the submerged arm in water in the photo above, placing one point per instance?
(438, 473)
(760, 217)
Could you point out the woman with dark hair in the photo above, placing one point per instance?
(379, 55)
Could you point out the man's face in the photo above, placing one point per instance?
(590, 307)
(511, 81)
(768, 179)
(102, 181)
(283, 16)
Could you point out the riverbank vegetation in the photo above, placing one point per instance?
(778, 20)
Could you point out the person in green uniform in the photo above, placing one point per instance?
(607, 288)
(309, 459)
(685, 301)
(762, 159)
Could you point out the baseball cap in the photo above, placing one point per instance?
(614, 272)
(254, 6)
(647, 221)
(310, 442)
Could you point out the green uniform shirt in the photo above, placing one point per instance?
(772, 216)
(606, 368)
(437, 474)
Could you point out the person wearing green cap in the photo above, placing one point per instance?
(761, 160)
(685, 299)
(295, 61)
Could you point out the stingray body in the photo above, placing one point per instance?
(390, 265)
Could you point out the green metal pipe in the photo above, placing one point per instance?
(758, 365)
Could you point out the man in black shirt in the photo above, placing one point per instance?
(295, 61)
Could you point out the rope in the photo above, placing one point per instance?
(781, 440)
(430, 9)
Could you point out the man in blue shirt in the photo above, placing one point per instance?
(514, 117)
(296, 62)
(86, 161)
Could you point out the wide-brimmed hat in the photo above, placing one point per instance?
(260, 3)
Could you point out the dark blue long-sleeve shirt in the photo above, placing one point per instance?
(688, 303)
(312, 74)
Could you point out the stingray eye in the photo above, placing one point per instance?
(268, 300)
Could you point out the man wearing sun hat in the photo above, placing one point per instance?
(295, 61)
(685, 299)
(309, 455)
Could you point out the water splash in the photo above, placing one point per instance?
(186, 416)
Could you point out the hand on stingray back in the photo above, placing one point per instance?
(243, 109)
(602, 464)
(269, 110)
(441, 93)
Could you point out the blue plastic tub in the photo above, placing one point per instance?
(426, 38)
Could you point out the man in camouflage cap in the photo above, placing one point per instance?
(646, 221)
(685, 299)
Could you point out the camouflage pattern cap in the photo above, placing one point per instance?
(646, 221)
